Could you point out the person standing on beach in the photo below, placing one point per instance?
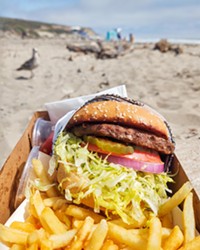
(119, 35)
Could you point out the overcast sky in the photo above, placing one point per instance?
(144, 18)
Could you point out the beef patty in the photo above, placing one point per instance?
(127, 135)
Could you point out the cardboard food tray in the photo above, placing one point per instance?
(12, 169)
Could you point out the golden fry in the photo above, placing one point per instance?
(33, 220)
(63, 218)
(124, 236)
(81, 213)
(62, 240)
(188, 219)
(98, 236)
(35, 237)
(23, 226)
(51, 201)
(82, 234)
(59, 204)
(10, 235)
(165, 233)
(175, 239)
(46, 244)
(17, 247)
(109, 245)
(77, 223)
(37, 202)
(175, 200)
(192, 245)
(136, 224)
(34, 246)
(167, 220)
(51, 222)
(155, 234)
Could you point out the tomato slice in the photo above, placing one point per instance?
(139, 155)
(146, 156)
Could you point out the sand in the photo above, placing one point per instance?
(169, 83)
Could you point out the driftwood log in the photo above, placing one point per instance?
(89, 47)
(101, 49)
(164, 46)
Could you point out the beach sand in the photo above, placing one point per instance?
(169, 83)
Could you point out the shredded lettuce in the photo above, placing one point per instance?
(119, 190)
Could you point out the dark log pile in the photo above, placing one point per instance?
(164, 46)
(101, 49)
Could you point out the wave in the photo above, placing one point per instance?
(171, 40)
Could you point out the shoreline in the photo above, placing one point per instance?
(170, 40)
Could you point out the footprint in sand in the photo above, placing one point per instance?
(193, 133)
(170, 104)
(186, 119)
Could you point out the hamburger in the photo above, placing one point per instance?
(114, 155)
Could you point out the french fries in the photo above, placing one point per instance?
(23, 226)
(10, 235)
(155, 234)
(81, 213)
(82, 234)
(51, 222)
(98, 236)
(110, 245)
(35, 237)
(192, 245)
(54, 223)
(175, 200)
(62, 240)
(124, 236)
(175, 239)
(188, 219)
(17, 247)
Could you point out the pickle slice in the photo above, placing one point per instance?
(109, 146)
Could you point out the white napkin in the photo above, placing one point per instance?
(58, 109)
(60, 112)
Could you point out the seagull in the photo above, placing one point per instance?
(32, 63)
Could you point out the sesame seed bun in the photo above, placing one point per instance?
(122, 111)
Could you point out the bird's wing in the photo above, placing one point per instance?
(27, 65)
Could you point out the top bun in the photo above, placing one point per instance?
(122, 111)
